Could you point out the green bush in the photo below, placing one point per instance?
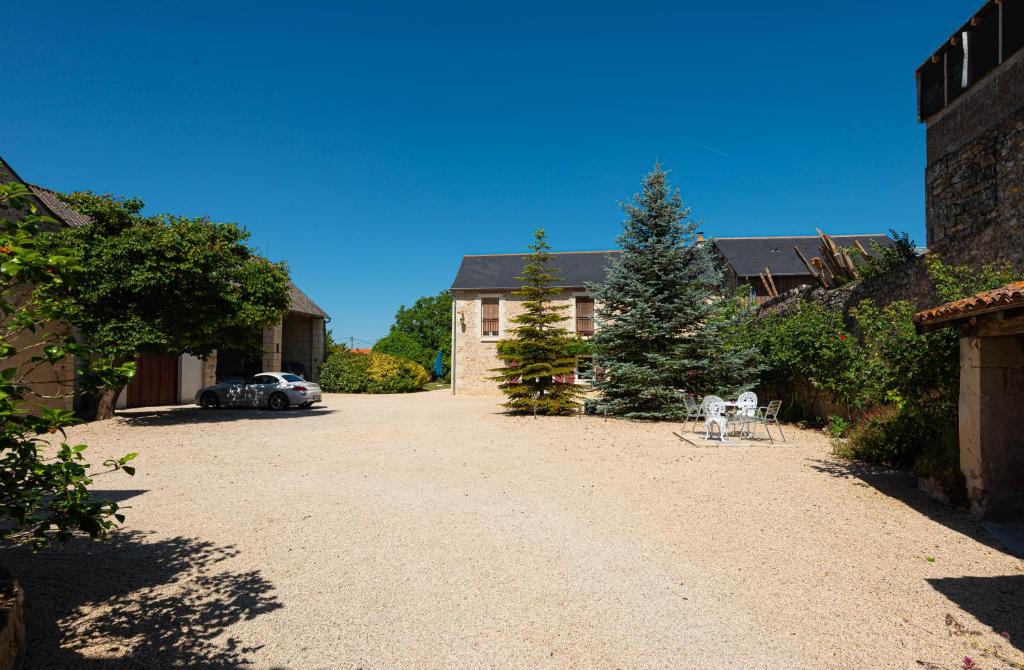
(345, 372)
(405, 346)
(349, 372)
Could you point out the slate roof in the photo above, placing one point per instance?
(749, 256)
(301, 303)
(499, 271)
(1010, 296)
(58, 208)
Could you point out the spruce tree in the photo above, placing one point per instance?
(662, 317)
(539, 356)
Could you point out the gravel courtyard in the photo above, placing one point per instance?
(426, 531)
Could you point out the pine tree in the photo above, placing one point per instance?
(663, 319)
(539, 355)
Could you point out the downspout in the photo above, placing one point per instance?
(453, 345)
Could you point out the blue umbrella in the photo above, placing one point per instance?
(439, 365)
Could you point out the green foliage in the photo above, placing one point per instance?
(345, 372)
(886, 258)
(900, 387)
(429, 323)
(405, 346)
(44, 487)
(163, 284)
(348, 372)
(665, 326)
(540, 354)
(955, 282)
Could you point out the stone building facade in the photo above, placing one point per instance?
(971, 96)
(483, 307)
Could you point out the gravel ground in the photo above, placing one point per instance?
(426, 531)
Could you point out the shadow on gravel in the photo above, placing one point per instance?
(902, 486)
(133, 603)
(997, 602)
(176, 416)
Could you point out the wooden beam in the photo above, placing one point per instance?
(810, 269)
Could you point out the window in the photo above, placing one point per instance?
(584, 370)
(584, 315)
(264, 379)
(292, 378)
(489, 322)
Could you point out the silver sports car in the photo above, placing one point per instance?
(276, 390)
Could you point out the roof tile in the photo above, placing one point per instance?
(1004, 297)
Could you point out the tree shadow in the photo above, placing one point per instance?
(176, 416)
(997, 602)
(902, 486)
(136, 603)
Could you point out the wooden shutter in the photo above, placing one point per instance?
(584, 315)
(489, 319)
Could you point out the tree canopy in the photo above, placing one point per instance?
(165, 284)
(662, 313)
(539, 356)
(429, 322)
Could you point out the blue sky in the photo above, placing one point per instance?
(372, 144)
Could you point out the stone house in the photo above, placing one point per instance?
(483, 306)
(743, 259)
(294, 344)
(971, 99)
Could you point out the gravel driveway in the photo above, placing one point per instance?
(426, 531)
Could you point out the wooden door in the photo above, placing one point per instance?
(155, 381)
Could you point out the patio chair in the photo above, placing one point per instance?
(746, 411)
(694, 411)
(714, 411)
(769, 415)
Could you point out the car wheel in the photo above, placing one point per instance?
(279, 401)
(209, 401)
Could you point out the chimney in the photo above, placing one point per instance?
(700, 236)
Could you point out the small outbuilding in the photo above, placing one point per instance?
(991, 328)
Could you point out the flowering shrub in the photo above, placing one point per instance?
(348, 372)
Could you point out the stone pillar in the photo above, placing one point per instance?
(992, 424)
(209, 374)
(272, 336)
(317, 354)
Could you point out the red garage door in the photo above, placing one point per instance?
(155, 381)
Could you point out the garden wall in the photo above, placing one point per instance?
(907, 282)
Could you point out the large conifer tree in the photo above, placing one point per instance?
(539, 356)
(661, 313)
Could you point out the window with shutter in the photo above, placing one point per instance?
(489, 320)
(584, 315)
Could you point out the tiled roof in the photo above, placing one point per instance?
(500, 271)
(749, 256)
(60, 210)
(301, 303)
(1005, 297)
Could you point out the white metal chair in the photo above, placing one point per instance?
(746, 411)
(694, 411)
(714, 415)
(769, 415)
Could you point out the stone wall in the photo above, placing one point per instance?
(908, 282)
(474, 355)
(974, 182)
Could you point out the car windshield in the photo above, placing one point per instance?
(292, 378)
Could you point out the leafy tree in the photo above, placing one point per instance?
(429, 322)
(162, 284)
(664, 323)
(403, 345)
(44, 489)
(539, 355)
